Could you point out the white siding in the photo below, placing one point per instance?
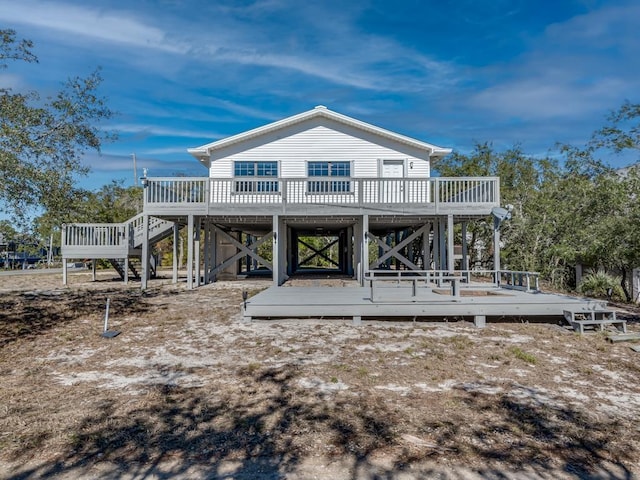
(321, 144)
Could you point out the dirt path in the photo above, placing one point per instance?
(188, 391)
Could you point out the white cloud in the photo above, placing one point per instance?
(574, 69)
(160, 131)
(335, 51)
(110, 26)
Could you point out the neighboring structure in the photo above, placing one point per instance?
(316, 174)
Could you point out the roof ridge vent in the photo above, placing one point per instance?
(320, 107)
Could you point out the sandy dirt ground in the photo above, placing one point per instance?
(189, 391)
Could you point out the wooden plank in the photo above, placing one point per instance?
(624, 337)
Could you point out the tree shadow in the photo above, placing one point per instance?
(260, 431)
(26, 315)
(525, 429)
(265, 428)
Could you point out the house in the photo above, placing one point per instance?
(367, 192)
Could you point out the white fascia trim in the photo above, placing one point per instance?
(202, 153)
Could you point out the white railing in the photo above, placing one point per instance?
(520, 280)
(136, 225)
(92, 235)
(120, 235)
(321, 190)
(457, 280)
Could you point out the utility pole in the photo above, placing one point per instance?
(135, 170)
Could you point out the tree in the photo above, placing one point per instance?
(42, 141)
(521, 184)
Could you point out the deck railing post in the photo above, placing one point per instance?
(207, 194)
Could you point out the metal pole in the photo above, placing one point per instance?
(135, 170)
(106, 316)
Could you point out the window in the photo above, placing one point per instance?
(329, 169)
(250, 176)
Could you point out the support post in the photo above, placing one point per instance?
(196, 243)
(357, 251)
(278, 239)
(436, 245)
(450, 257)
(496, 249)
(442, 241)
(214, 252)
(93, 269)
(144, 261)
(207, 250)
(426, 248)
(465, 252)
(480, 321)
(190, 253)
(176, 241)
(126, 270)
(364, 245)
(63, 243)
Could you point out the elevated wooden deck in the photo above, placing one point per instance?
(400, 301)
(166, 197)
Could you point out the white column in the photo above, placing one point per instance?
(443, 242)
(144, 261)
(190, 252)
(176, 241)
(126, 269)
(276, 251)
(357, 250)
(426, 248)
(93, 269)
(450, 257)
(279, 251)
(436, 245)
(214, 251)
(465, 247)
(365, 247)
(496, 249)
(207, 250)
(63, 243)
(197, 234)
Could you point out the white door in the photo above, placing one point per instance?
(392, 182)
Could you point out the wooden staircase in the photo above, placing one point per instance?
(114, 242)
(135, 267)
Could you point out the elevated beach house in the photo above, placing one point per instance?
(366, 191)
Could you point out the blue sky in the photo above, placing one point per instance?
(184, 73)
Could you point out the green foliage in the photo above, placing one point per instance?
(42, 140)
(524, 356)
(599, 283)
(580, 211)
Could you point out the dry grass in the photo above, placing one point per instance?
(187, 390)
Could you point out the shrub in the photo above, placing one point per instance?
(599, 284)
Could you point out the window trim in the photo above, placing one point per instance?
(329, 180)
(255, 184)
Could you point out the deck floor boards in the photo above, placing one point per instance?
(399, 302)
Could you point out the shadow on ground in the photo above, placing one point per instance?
(25, 315)
(268, 426)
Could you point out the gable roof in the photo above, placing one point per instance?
(202, 153)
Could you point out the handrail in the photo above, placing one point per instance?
(458, 279)
(354, 191)
(520, 280)
(92, 235)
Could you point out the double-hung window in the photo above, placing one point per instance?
(329, 177)
(255, 177)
